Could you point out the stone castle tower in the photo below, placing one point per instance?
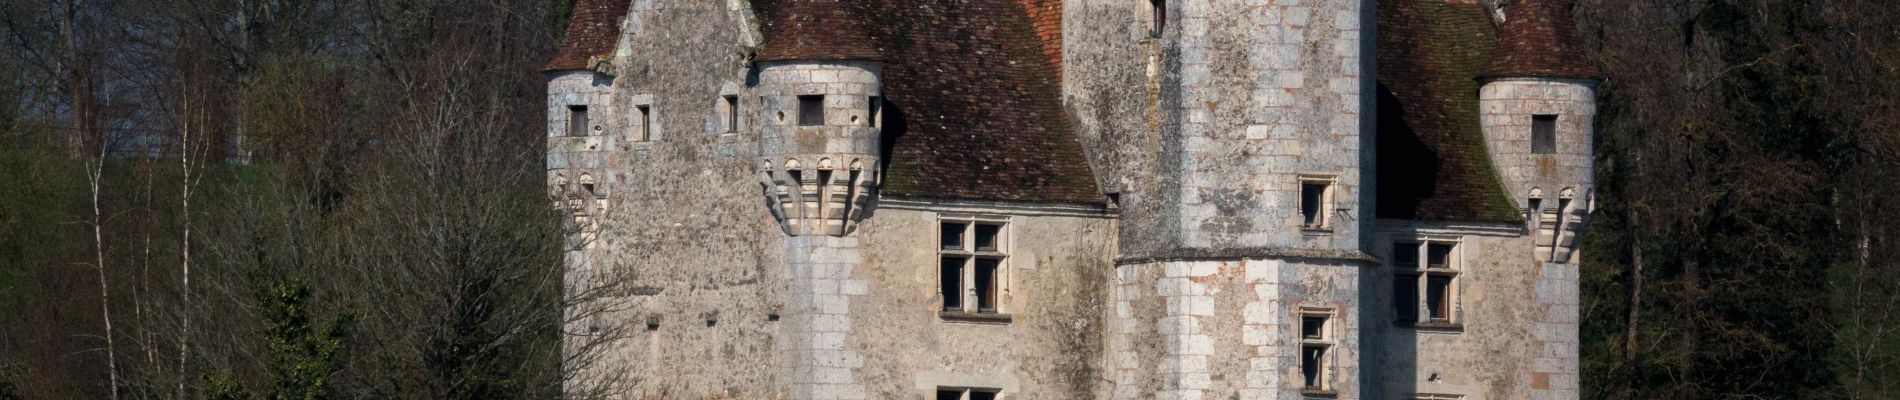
(1075, 199)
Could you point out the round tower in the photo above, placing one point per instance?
(819, 86)
(1538, 101)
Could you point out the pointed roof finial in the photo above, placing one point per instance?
(1539, 39)
(816, 30)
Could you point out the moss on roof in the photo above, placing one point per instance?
(1432, 162)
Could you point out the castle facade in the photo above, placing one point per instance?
(1075, 199)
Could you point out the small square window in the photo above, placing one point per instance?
(1405, 255)
(1438, 256)
(1313, 327)
(1543, 134)
(986, 237)
(577, 124)
(1315, 198)
(732, 114)
(811, 110)
(950, 235)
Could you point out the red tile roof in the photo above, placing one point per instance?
(975, 105)
(1539, 39)
(814, 30)
(1432, 163)
(592, 33)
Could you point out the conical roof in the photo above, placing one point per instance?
(1539, 39)
(815, 30)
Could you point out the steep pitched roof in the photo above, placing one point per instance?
(1432, 162)
(973, 108)
(592, 32)
(1539, 39)
(814, 30)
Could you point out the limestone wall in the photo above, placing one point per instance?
(1052, 289)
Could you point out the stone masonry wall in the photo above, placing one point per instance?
(1508, 106)
(1228, 329)
(687, 236)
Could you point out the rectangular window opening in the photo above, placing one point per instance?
(1438, 256)
(1312, 366)
(1543, 134)
(732, 114)
(643, 123)
(1313, 327)
(952, 279)
(982, 395)
(1313, 204)
(985, 284)
(1159, 18)
(1405, 297)
(811, 110)
(986, 237)
(950, 234)
(577, 124)
(876, 111)
(1438, 297)
(1405, 255)
(949, 394)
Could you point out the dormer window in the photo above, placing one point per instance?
(811, 110)
(1543, 134)
(577, 124)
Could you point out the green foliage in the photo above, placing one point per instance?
(304, 353)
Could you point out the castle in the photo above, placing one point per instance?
(1076, 199)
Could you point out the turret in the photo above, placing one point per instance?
(1538, 101)
(819, 83)
(579, 112)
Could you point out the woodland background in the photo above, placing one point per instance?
(238, 199)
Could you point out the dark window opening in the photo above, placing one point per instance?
(985, 285)
(811, 110)
(577, 124)
(1313, 327)
(589, 187)
(1438, 255)
(1405, 255)
(877, 106)
(1543, 134)
(986, 236)
(951, 236)
(949, 395)
(1405, 297)
(1160, 17)
(1312, 359)
(952, 279)
(771, 317)
(982, 395)
(1438, 297)
(711, 322)
(732, 114)
(1312, 209)
(643, 129)
(653, 323)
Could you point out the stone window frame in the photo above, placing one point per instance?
(1421, 274)
(1544, 141)
(579, 119)
(969, 301)
(729, 118)
(966, 392)
(644, 120)
(1328, 197)
(1327, 341)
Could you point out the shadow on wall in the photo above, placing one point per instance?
(1407, 168)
